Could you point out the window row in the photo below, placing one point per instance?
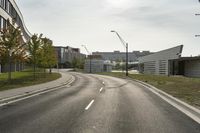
(2, 23)
(8, 7)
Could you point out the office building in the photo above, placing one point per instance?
(66, 55)
(9, 10)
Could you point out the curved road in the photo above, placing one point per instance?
(95, 104)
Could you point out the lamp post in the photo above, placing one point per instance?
(90, 57)
(126, 46)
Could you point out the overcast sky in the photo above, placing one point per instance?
(145, 24)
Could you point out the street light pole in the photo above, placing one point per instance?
(126, 46)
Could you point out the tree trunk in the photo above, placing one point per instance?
(34, 67)
(10, 67)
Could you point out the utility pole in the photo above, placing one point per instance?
(126, 46)
(90, 57)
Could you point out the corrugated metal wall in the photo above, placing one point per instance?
(158, 63)
(192, 68)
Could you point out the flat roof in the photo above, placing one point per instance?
(188, 58)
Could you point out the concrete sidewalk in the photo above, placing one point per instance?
(23, 90)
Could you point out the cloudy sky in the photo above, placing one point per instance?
(145, 24)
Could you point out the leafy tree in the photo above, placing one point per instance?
(3, 54)
(48, 55)
(34, 46)
(78, 63)
(20, 56)
(118, 66)
(81, 63)
(10, 44)
(75, 62)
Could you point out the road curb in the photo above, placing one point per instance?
(187, 109)
(31, 93)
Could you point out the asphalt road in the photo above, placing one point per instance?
(85, 107)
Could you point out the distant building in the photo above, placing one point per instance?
(66, 55)
(121, 56)
(170, 62)
(95, 64)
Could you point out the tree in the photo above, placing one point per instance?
(48, 55)
(81, 63)
(10, 43)
(34, 46)
(78, 63)
(20, 56)
(118, 66)
(75, 62)
(3, 55)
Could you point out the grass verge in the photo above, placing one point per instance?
(184, 88)
(25, 78)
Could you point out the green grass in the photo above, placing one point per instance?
(184, 88)
(25, 78)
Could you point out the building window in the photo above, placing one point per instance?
(8, 7)
(1, 3)
(5, 4)
(1, 23)
(4, 24)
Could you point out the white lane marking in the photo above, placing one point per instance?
(33, 95)
(14, 101)
(89, 105)
(20, 95)
(101, 89)
(30, 94)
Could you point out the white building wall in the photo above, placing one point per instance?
(192, 68)
(96, 66)
(158, 63)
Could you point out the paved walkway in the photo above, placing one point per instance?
(18, 91)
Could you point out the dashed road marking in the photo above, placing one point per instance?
(101, 90)
(89, 105)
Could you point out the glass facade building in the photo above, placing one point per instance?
(9, 10)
